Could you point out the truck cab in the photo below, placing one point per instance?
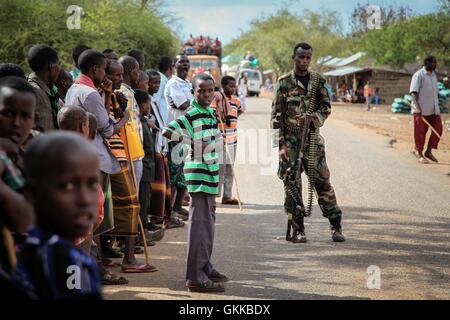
(209, 63)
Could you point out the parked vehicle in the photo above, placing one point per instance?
(254, 81)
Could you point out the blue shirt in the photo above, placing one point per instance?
(52, 268)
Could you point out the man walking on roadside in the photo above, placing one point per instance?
(425, 107)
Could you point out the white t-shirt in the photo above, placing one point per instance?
(177, 92)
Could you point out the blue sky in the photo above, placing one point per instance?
(227, 19)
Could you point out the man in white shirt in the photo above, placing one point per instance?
(178, 95)
(178, 91)
(426, 105)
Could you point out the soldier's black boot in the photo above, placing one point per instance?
(298, 234)
(336, 230)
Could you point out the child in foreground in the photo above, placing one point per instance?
(62, 178)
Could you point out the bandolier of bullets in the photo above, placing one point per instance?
(312, 150)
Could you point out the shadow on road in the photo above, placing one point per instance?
(412, 253)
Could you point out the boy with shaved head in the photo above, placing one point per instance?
(62, 181)
(73, 118)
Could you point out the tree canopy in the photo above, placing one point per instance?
(273, 38)
(406, 41)
(116, 24)
(404, 37)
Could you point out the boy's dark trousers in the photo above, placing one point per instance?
(202, 218)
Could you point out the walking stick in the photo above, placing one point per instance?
(425, 120)
(133, 178)
(232, 167)
(431, 127)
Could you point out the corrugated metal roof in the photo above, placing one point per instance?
(332, 62)
(324, 59)
(350, 59)
(342, 71)
(340, 62)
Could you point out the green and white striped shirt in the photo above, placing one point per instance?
(201, 170)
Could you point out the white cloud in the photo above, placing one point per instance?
(224, 21)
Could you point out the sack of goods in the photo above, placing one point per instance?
(444, 98)
(401, 105)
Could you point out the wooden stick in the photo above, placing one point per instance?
(232, 167)
(425, 120)
(431, 127)
(134, 179)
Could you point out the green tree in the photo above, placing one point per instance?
(273, 38)
(117, 24)
(408, 40)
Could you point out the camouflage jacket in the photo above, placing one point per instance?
(291, 99)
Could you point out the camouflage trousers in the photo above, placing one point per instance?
(324, 191)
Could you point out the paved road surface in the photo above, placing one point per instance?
(397, 217)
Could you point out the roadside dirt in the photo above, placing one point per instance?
(398, 127)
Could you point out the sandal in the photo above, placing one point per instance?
(208, 286)
(108, 263)
(175, 223)
(216, 276)
(230, 201)
(138, 268)
(110, 279)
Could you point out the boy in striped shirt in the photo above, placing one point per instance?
(198, 129)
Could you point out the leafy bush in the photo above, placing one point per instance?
(116, 24)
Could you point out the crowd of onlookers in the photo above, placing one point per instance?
(94, 168)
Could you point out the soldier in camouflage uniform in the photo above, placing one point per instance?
(290, 102)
